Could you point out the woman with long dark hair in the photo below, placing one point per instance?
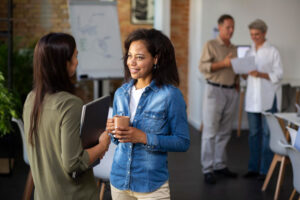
(58, 162)
(157, 112)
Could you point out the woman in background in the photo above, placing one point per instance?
(262, 85)
(157, 112)
(59, 165)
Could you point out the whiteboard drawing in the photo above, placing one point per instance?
(95, 27)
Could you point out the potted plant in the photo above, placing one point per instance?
(21, 67)
(11, 100)
(9, 106)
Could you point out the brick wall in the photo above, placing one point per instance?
(126, 26)
(179, 37)
(34, 18)
(3, 14)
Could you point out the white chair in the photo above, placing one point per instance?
(102, 170)
(294, 156)
(293, 134)
(29, 182)
(280, 153)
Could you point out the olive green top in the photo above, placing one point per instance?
(57, 152)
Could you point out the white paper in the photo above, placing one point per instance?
(298, 110)
(243, 65)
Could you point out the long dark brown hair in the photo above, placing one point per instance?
(50, 72)
(158, 45)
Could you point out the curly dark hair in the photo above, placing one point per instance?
(158, 46)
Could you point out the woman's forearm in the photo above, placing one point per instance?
(96, 152)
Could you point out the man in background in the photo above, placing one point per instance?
(220, 99)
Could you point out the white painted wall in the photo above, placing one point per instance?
(162, 18)
(196, 82)
(282, 17)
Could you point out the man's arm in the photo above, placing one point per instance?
(222, 64)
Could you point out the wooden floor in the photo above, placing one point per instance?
(186, 179)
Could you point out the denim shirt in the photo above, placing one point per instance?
(161, 114)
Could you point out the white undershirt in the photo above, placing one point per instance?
(135, 96)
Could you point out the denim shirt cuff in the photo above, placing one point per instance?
(113, 139)
(152, 141)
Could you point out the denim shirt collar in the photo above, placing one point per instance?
(126, 87)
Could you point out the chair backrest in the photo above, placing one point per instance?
(293, 134)
(294, 156)
(276, 135)
(20, 124)
(102, 170)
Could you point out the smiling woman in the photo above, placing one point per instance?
(157, 114)
(140, 63)
(261, 96)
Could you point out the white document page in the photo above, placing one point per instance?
(243, 65)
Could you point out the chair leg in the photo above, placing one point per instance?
(201, 128)
(28, 187)
(280, 177)
(270, 172)
(241, 104)
(102, 190)
(292, 195)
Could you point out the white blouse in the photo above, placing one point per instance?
(261, 92)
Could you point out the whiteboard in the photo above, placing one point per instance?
(95, 27)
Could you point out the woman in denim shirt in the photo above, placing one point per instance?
(157, 114)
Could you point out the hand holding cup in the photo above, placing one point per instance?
(110, 126)
(121, 121)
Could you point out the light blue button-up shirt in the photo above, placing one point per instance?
(161, 114)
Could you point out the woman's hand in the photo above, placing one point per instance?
(245, 76)
(99, 150)
(254, 73)
(258, 74)
(130, 134)
(110, 126)
(104, 141)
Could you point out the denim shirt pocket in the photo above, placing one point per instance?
(154, 122)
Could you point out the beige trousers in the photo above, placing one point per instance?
(162, 193)
(219, 106)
